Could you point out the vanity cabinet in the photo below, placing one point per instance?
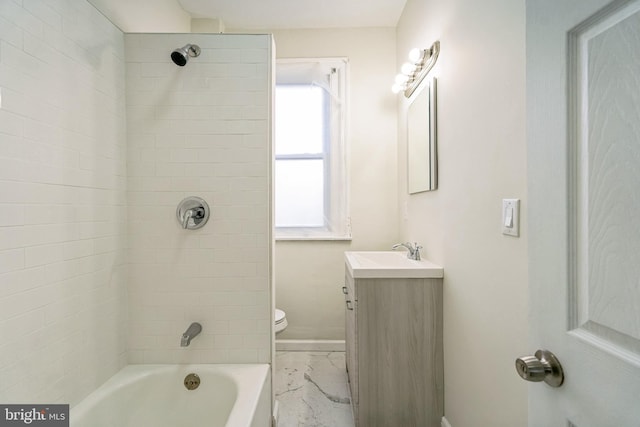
(394, 350)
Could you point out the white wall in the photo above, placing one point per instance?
(146, 16)
(200, 130)
(309, 275)
(62, 201)
(482, 159)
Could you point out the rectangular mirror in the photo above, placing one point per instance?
(422, 159)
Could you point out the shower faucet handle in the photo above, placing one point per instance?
(192, 213)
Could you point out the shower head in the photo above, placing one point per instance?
(181, 56)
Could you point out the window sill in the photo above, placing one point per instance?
(314, 238)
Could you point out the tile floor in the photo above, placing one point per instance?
(312, 389)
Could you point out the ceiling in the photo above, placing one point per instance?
(288, 14)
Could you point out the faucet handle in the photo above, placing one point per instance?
(192, 213)
(414, 251)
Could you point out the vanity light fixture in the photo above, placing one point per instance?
(421, 61)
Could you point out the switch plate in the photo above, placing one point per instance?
(511, 217)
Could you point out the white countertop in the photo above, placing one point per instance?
(390, 264)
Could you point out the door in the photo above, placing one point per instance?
(583, 137)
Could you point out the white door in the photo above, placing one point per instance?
(583, 137)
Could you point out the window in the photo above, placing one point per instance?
(310, 170)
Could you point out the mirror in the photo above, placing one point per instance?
(422, 160)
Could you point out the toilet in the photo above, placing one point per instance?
(281, 321)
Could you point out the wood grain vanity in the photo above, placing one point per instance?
(394, 344)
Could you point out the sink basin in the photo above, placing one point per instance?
(389, 264)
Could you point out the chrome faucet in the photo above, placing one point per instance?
(192, 331)
(412, 252)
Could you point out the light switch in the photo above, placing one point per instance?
(508, 222)
(511, 217)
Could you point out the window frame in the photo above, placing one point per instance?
(336, 218)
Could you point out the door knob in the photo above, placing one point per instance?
(544, 366)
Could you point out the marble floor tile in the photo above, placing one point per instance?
(312, 389)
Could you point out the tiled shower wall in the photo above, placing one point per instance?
(62, 200)
(200, 130)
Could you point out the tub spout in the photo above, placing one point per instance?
(192, 331)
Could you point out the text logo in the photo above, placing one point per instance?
(34, 415)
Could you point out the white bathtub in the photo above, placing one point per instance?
(155, 396)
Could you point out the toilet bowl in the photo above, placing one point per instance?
(281, 321)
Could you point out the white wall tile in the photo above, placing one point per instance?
(11, 260)
(62, 142)
(192, 121)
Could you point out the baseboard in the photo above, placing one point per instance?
(445, 423)
(310, 345)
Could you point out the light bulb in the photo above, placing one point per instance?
(416, 55)
(402, 79)
(396, 88)
(407, 68)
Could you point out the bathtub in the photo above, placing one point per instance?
(155, 396)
